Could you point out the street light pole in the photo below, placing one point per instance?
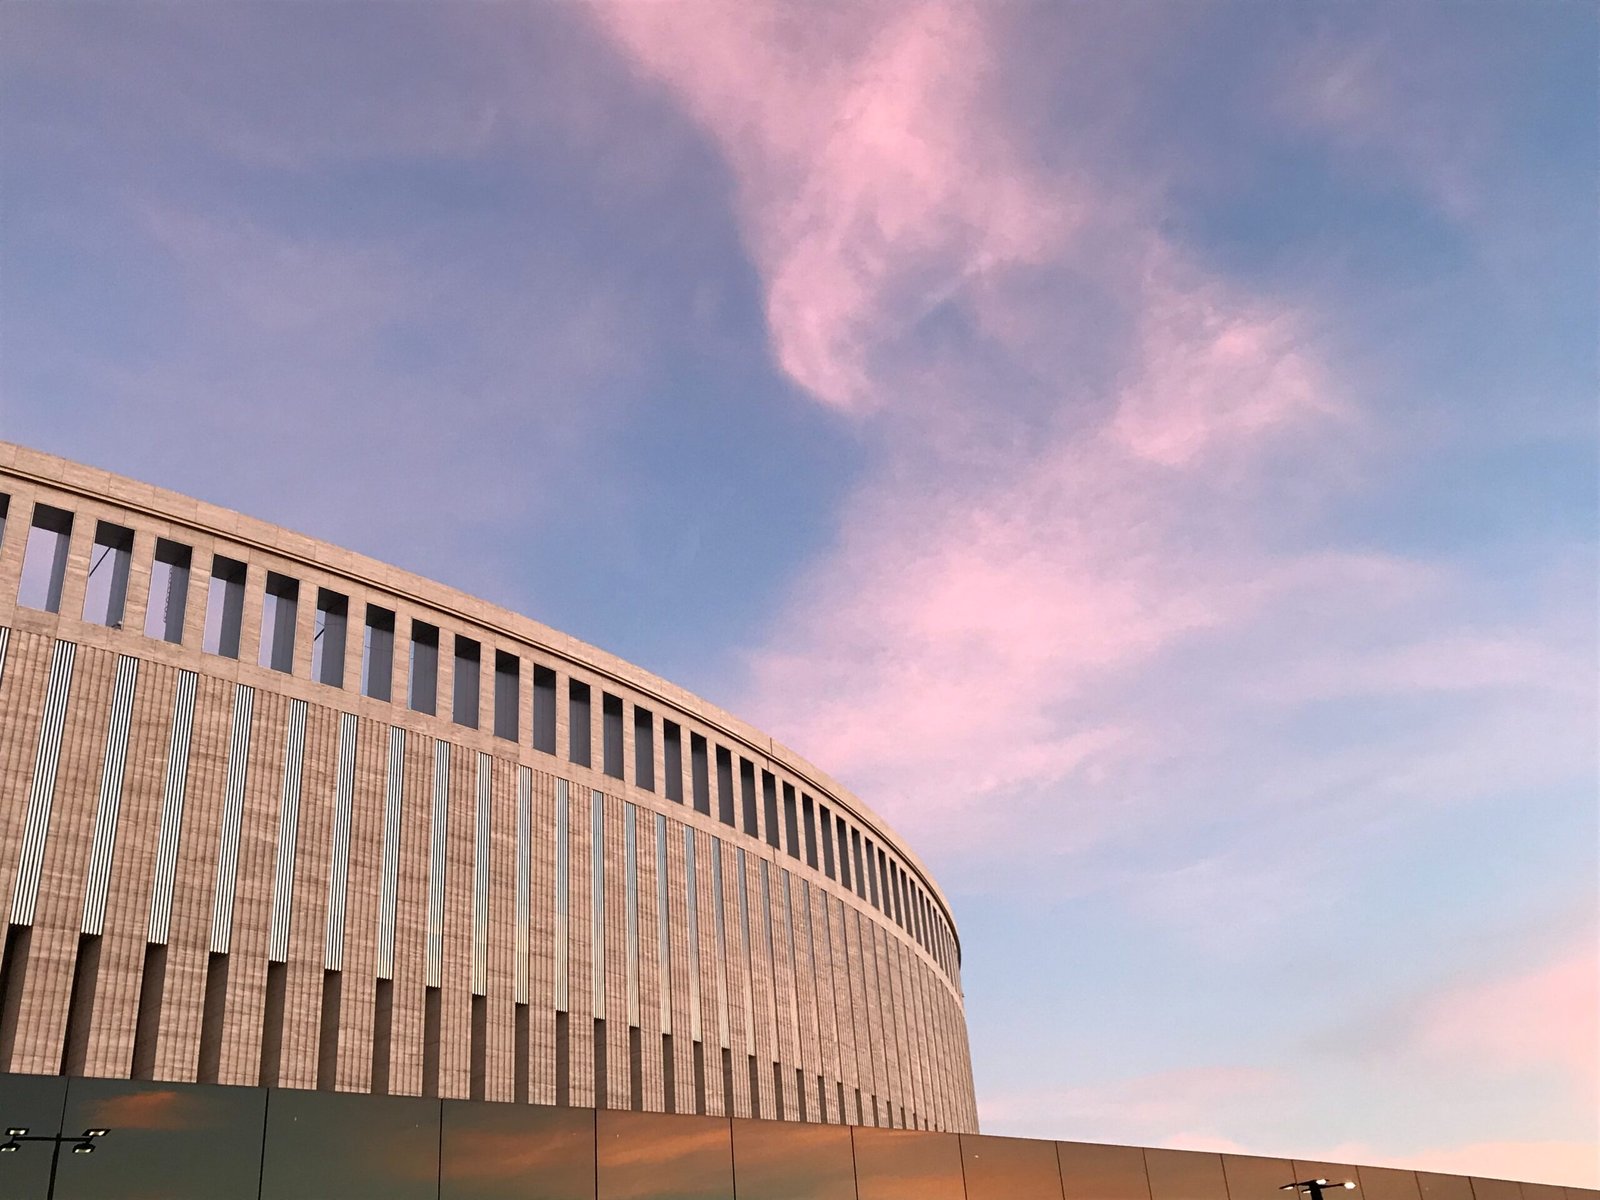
(82, 1144)
(1315, 1187)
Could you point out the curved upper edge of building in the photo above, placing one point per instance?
(465, 611)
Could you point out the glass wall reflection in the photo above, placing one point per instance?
(516, 1152)
(904, 1165)
(1444, 1187)
(1004, 1168)
(781, 1160)
(1185, 1175)
(176, 1141)
(1095, 1172)
(1252, 1178)
(1389, 1183)
(34, 1103)
(650, 1156)
(350, 1146)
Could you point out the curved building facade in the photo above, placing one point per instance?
(272, 813)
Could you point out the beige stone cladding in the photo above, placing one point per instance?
(326, 824)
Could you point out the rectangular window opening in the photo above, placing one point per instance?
(600, 1097)
(672, 754)
(520, 1051)
(80, 1005)
(669, 1076)
(331, 621)
(44, 561)
(430, 1042)
(747, 791)
(563, 1061)
(377, 654)
(152, 983)
(278, 610)
(699, 771)
(611, 734)
(698, 1062)
(464, 682)
(169, 591)
(422, 683)
(382, 1034)
(478, 1081)
(825, 825)
(272, 1024)
(328, 1033)
(211, 1014)
(105, 595)
(224, 607)
(578, 718)
(635, 1069)
(507, 696)
(769, 805)
(725, 800)
(791, 822)
(644, 749)
(544, 709)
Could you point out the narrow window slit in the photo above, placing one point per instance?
(272, 1024)
(328, 1033)
(382, 1034)
(211, 1018)
(147, 1025)
(80, 1005)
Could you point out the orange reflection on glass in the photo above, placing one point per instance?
(1003, 1168)
(516, 1152)
(902, 1165)
(650, 1156)
(1444, 1187)
(784, 1160)
(1095, 1172)
(1185, 1175)
(1495, 1189)
(176, 1141)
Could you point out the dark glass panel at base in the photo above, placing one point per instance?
(894, 1165)
(1253, 1178)
(648, 1156)
(31, 1102)
(1391, 1183)
(1094, 1172)
(350, 1146)
(1185, 1175)
(1003, 1168)
(1495, 1189)
(515, 1152)
(783, 1160)
(178, 1141)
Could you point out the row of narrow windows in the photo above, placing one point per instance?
(792, 1095)
(788, 820)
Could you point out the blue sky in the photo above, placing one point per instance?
(1147, 450)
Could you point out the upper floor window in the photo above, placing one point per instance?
(169, 591)
(224, 607)
(44, 564)
(105, 593)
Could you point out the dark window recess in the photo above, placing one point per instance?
(669, 1076)
(855, 853)
(478, 1076)
(464, 684)
(727, 1078)
(382, 1034)
(563, 1061)
(44, 561)
(872, 874)
(272, 1028)
(600, 1074)
(105, 594)
(635, 1069)
(611, 734)
(507, 695)
(544, 709)
(644, 749)
(422, 691)
(777, 1090)
(5, 507)
(698, 1062)
(747, 793)
(152, 984)
(578, 718)
(699, 772)
(211, 1012)
(430, 1042)
(791, 822)
(169, 591)
(672, 766)
(377, 653)
(519, 1055)
(725, 800)
(755, 1086)
(224, 607)
(808, 818)
(279, 609)
(80, 1005)
(825, 823)
(328, 1033)
(844, 852)
(769, 807)
(328, 638)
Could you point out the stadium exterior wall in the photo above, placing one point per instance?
(274, 814)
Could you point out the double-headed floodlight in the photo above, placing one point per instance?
(1314, 1188)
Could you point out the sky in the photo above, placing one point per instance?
(1147, 450)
